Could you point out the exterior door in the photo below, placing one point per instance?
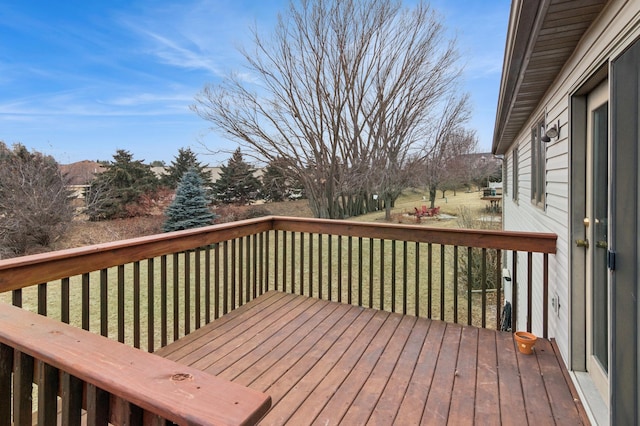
(597, 230)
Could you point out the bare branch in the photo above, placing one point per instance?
(348, 94)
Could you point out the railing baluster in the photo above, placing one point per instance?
(320, 266)
(240, 266)
(150, 305)
(187, 292)
(514, 290)
(330, 266)
(247, 265)
(216, 283)
(64, 300)
(85, 301)
(176, 297)
(349, 269)
(417, 280)
(371, 272)
(483, 284)
(498, 287)
(360, 271)
(430, 281)
(207, 285)
(264, 261)
(16, 298)
(164, 320)
(6, 392)
(97, 405)
(469, 284)
(42, 299)
(284, 261)
(47, 394)
(404, 277)
(301, 257)
(128, 413)
(339, 268)
(71, 390)
(393, 275)
(225, 278)
(136, 304)
(121, 302)
(382, 275)
(234, 281)
(198, 289)
(22, 388)
(293, 263)
(529, 289)
(104, 303)
(254, 266)
(545, 295)
(442, 283)
(310, 265)
(455, 284)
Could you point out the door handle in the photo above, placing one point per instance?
(602, 244)
(582, 243)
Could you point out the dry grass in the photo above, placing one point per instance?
(296, 270)
(449, 206)
(432, 284)
(84, 233)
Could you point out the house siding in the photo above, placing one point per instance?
(615, 29)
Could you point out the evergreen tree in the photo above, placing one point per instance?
(115, 192)
(185, 160)
(190, 208)
(237, 183)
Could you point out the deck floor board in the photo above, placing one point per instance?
(330, 363)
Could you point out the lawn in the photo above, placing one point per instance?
(351, 262)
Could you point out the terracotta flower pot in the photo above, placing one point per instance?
(525, 341)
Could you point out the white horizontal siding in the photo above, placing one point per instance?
(616, 27)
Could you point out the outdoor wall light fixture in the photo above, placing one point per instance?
(551, 133)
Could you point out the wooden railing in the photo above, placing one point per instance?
(114, 383)
(149, 291)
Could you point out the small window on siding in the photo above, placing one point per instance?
(514, 168)
(538, 165)
(505, 176)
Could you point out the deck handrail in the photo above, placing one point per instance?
(25, 271)
(161, 388)
(29, 270)
(538, 242)
(205, 272)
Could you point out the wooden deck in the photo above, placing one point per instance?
(330, 363)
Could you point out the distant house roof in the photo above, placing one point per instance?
(542, 36)
(82, 172)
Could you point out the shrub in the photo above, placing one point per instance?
(469, 221)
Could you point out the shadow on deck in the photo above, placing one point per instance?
(330, 363)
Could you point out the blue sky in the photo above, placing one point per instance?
(80, 79)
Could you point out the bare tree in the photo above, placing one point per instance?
(35, 205)
(347, 93)
(446, 165)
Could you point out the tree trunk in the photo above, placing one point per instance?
(432, 196)
(387, 208)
